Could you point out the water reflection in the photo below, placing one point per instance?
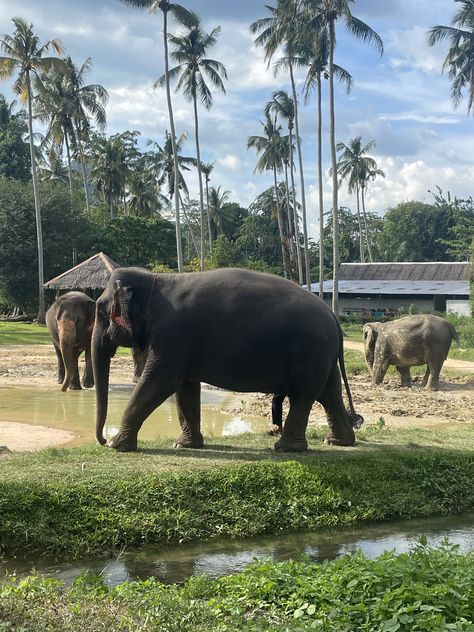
(223, 557)
(75, 411)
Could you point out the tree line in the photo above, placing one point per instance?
(119, 179)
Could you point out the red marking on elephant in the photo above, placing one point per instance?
(121, 322)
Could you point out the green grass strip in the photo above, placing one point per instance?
(64, 508)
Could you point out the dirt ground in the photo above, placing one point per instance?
(35, 365)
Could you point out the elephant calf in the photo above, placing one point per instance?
(406, 342)
(70, 321)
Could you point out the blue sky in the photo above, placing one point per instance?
(400, 100)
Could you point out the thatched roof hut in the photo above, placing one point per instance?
(91, 274)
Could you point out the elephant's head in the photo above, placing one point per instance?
(370, 333)
(119, 321)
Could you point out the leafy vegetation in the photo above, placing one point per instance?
(425, 589)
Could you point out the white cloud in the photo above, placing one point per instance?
(231, 161)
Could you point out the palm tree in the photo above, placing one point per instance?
(281, 28)
(325, 14)
(217, 201)
(270, 146)
(109, 168)
(365, 177)
(314, 47)
(459, 62)
(191, 72)
(144, 199)
(283, 105)
(185, 17)
(206, 170)
(26, 56)
(353, 165)
(88, 102)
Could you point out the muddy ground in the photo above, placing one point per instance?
(35, 365)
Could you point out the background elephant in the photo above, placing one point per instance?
(406, 342)
(236, 329)
(70, 321)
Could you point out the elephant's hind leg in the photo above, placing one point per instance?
(405, 377)
(293, 438)
(341, 430)
(188, 403)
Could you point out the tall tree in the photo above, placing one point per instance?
(206, 169)
(325, 15)
(25, 56)
(269, 146)
(185, 17)
(14, 150)
(190, 50)
(314, 46)
(365, 177)
(277, 30)
(355, 165)
(283, 105)
(459, 62)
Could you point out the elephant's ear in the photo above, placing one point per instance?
(370, 335)
(120, 312)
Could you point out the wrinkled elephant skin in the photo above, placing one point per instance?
(70, 321)
(406, 342)
(235, 329)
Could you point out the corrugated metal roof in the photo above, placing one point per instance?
(406, 271)
(449, 288)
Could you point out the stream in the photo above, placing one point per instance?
(225, 556)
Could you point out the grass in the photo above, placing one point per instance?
(81, 500)
(23, 334)
(425, 589)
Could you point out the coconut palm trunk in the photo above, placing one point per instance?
(179, 247)
(209, 233)
(280, 225)
(69, 172)
(361, 232)
(320, 188)
(300, 164)
(83, 170)
(36, 193)
(332, 143)
(295, 210)
(290, 228)
(201, 193)
(366, 226)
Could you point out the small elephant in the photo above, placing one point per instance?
(406, 342)
(236, 329)
(70, 321)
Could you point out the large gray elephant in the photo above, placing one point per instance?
(236, 329)
(406, 342)
(70, 321)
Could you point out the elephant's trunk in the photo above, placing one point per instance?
(101, 357)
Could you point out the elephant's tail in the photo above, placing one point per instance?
(455, 337)
(355, 419)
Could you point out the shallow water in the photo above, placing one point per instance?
(225, 556)
(75, 411)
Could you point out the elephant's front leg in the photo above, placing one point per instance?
(188, 403)
(88, 377)
(154, 387)
(405, 377)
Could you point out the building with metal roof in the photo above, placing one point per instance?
(374, 287)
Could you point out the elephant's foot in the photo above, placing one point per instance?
(287, 444)
(189, 442)
(123, 443)
(75, 387)
(88, 383)
(342, 441)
